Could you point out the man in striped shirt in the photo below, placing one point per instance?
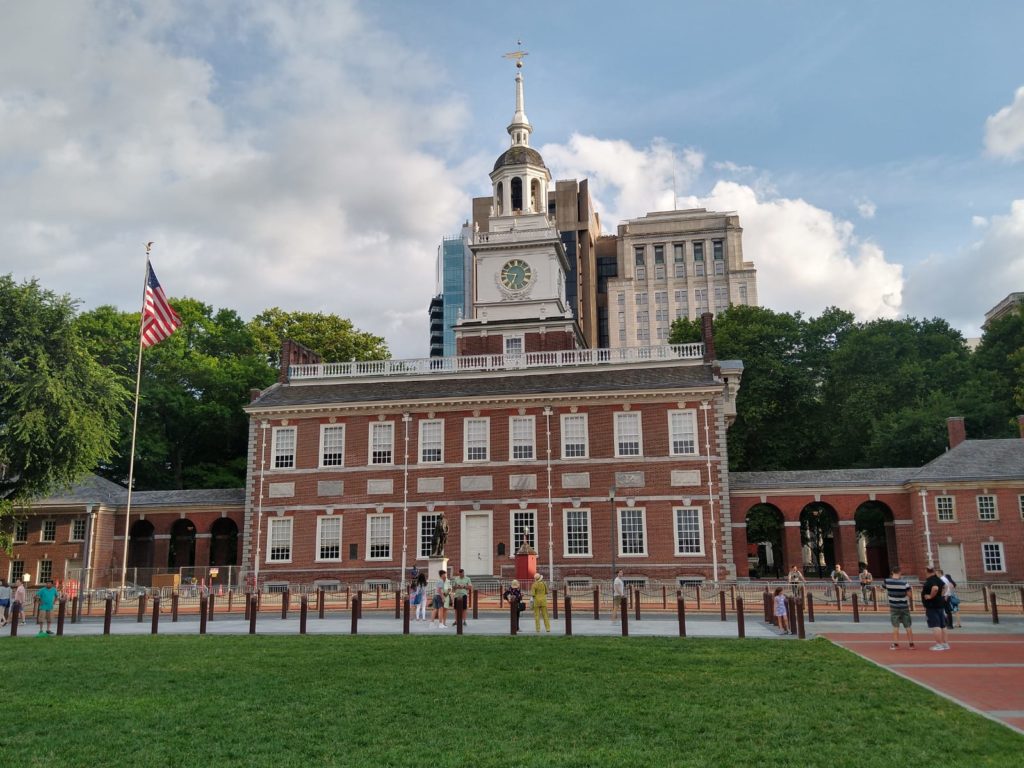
(898, 591)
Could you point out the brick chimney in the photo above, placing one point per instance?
(707, 333)
(1020, 424)
(293, 353)
(957, 430)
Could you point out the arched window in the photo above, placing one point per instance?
(535, 201)
(182, 552)
(500, 203)
(517, 195)
(140, 545)
(224, 542)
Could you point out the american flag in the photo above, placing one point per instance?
(158, 319)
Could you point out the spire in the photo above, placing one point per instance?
(519, 129)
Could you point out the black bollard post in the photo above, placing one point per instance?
(142, 609)
(174, 607)
(698, 596)
(568, 616)
(459, 611)
(286, 597)
(303, 610)
(856, 608)
(791, 612)
(995, 608)
(209, 606)
(624, 606)
(357, 606)
(253, 611)
(202, 614)
(155, 624)
(108, 614)
(15, 618)
(476, 603)
(810, 607)
(513, 617)
(741, 628)
(767, 600)
(405, 616)
(231, 596)
(681, 613)
(636, 604)
(554, 604)
(398, 603)
(61, 608)
(801, 631)
(597, 603)
(984, 598)
(664, 597)
(721, 603)
(75, 607)
(874, 597)
(320, 602)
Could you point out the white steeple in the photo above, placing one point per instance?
(520, 129)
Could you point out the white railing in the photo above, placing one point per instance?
(571, 358)
(516, 235)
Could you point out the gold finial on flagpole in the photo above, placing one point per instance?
(517, 55)
(148, 246)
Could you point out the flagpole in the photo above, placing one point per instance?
(135, 423)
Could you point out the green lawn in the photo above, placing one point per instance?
(473, 701)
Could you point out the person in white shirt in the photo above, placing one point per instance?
(618, 592)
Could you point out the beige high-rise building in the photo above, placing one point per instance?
(674, 264)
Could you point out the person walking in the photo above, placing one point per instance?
(935, 609)
(419, 596)
(47, 597)
(781, 614)
(442, 600)
(618, 592)
(948, 590)
(539, 593)
(796, 581)
(897, 592)
(18, 603)
(839, 579)
(865, 578)
(5, 601)
(462, 586)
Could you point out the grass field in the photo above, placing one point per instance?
(473, 701)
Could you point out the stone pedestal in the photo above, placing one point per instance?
(434, 565)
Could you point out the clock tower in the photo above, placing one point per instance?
(519, 263)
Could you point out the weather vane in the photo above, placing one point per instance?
(517, 55)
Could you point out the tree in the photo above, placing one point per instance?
(59, 408)
(334, 338)
(999, 361)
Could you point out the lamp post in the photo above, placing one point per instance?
(611, 503)
(259, 508)
(406, 419)
(927, 531)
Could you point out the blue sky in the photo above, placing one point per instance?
(311, 155)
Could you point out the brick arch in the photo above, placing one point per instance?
(821, 538)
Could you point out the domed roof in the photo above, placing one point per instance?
(519, 155)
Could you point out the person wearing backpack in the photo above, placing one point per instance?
(419, 596)
(935, 609)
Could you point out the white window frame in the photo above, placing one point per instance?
(288, 526)
(14, 574)
(587, 532)
(476, 442)
(677, 433)
(430, 442)
(997, 548)
(85, 527)
(582, 419)
(522, 522)
(678, 513)
(320, 538)
(514, 344)
(527, 424)
(1020, 505)
(384, 427)
(621, 535)
(52, 537)
(379, 517)
(945, 505)
(424, 538)
(679, 259)
(283, 456)
(628, 438)
(44, 574)
(337, 450)
(18, 536)
(993, 512)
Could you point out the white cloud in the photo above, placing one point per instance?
(979, 222)
(866, 209)
(1004, 131)
(806, 258)
(969, 282)
(298, 167)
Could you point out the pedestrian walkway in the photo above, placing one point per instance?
(983, 670)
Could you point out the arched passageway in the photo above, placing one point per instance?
(819, 537)
(765, 526)
(876, 539)
(224, 542)
(140, 545)
(182, 551)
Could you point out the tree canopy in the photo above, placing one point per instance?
(334, 338)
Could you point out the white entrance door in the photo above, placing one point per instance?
(951, 560)
(476, 544)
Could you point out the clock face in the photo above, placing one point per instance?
(516, 274)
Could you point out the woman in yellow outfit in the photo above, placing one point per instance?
(539, 592)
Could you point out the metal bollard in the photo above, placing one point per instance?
(810, 607)
(209, 606)
(874, 597)
(721, 603)
(664, 597)
(476, 603)
(554, 604)
(767, 600)
(320, 602)
(357, 603)
(75, 606)
(568, 616)
(142, 609)
(253, 611)
(108, 614)
(741, 629)
(61, 608)
(732, 596)
(1022, 598)
(995, 608)
(303, 610)
(174, 607)
(984, 598)
(405, 615)
(459, 611)
(231, 596)
(513, 617)
(377, 604)
(681, 613)
(791, 612)
(202, 614)
(286, 597)
(624, 605)
(636, 604)
(15, 618)
(155, 624)
(856, 610)
(801, 632)
(698, 596)
(597, 603)
(398, 603)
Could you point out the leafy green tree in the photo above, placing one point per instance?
(998, 364)
(59, 408)
(334, 338)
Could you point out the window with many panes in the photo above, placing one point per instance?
(524, 528)
(641, 269)
(718, 254)
(45, 571)
(382, 442)
(1020, 505)
(987, 508)
(700, 298)
(689, 531)
(682, 433)
(431, 441)
(659, 262)
(628, 440)
(945, 512)
(283, 450)
(21, 532)
(632, 532)
(478, 439)
(328, 537)
(743, 294)
(378, 537)
(577, 532)
(428, 521)
(721, 298)
(641, 299)
(620, 298)
(49, 531)
(279, 540)
(17, 571)
(678, 260)
(574, 435)
(698, 259)
(521, 430)
(78, 530)
(682, 303)
(992, 557)
(332, 445)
